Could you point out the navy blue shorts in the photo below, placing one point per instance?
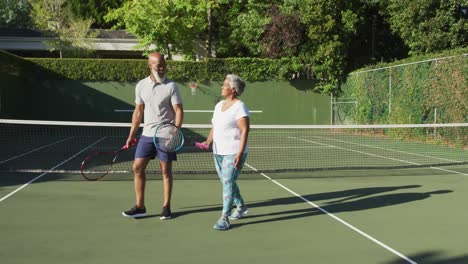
(146, 149)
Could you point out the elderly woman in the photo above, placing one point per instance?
(229, 137)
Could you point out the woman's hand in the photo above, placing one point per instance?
(202, 145)
(237, 160)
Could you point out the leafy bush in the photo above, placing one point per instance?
(251, 69)
(424, 92)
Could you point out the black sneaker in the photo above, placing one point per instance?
(135, 212)
(165, 213)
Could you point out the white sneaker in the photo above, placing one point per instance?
(222, 224)
(239, 212)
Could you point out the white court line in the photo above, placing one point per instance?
(212, 111)
(67, 171)
(405, 161)
(317, 143)
(292, 147)
(45, 173)
(361, 152)
(457, 172)
(29, 152)
(336, 218)
(186, 111)
(388, 149)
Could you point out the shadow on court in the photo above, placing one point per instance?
(343, 201)
(432, 257)
(346, 206)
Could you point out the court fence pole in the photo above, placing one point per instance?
(390, 91)
(331, 108)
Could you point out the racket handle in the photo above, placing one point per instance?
(201, 145)
(132, 143)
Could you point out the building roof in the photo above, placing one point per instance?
(19, 32)
(29, 39)
(102, 33)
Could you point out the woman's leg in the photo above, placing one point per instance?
(238, 201)
(228, 175)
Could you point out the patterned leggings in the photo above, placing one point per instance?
(228, 176)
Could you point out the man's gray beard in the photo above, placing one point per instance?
(158, 78)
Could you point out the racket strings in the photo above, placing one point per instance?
(97, 164)
(169, 138)
(171, 143)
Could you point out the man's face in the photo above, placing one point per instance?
(157, 67)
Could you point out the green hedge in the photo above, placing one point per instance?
(434, 91)
(13, 65)
(251, 69)
(410, 93)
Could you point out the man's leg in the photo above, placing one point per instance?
(166, 171)
(139, 180)
(144, 152)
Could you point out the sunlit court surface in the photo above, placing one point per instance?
(316, 194)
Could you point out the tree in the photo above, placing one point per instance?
(170, 25)
(55, 18)
(14, 13)
(283, 35)
(239, 25)
(374, 40)
(330, 26)
(429, 25)
(209, 19)
(94, 9)
(248, 26)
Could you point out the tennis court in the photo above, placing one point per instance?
(315, 195)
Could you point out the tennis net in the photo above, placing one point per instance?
(54, 146)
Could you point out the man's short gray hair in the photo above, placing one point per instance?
(236, 83)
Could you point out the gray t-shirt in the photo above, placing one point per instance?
(158, 99)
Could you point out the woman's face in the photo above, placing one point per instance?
(226, 89)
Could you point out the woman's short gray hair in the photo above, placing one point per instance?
(236, 83)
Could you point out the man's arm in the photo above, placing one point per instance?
(179, 114)
(137, 117)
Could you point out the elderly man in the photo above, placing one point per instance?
(158, 100)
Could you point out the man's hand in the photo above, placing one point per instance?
(131, 141)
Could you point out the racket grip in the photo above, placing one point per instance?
(201, 145)
(132, 143)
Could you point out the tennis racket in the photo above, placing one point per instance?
(98, 164)
(169, 139)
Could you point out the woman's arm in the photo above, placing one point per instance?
(209, 139)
